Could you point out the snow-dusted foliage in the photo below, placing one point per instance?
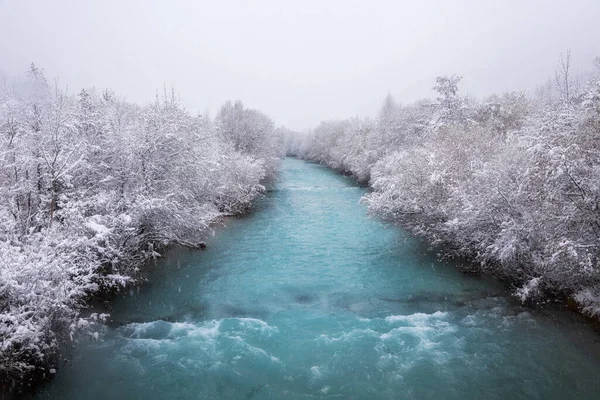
(91, 187)
(511, 182)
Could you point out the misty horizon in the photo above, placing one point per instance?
(300, 63)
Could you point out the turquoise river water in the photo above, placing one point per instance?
(308, 297)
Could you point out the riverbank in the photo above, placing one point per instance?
(93, 187)
(42, 370)
(508, 182)
(468, 264)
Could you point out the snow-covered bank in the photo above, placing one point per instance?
(91, 187)
(511, 182)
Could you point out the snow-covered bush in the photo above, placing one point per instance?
(513, 183)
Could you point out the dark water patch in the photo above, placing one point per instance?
(304, 298)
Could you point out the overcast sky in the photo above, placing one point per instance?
(299, 62)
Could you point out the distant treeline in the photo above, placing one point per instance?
(511, 182)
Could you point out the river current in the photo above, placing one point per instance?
(308, 297)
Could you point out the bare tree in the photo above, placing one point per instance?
(566, 84)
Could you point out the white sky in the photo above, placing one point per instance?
(299, 62)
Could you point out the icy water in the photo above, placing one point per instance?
(310, 298)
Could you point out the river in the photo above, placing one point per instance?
(308, 297)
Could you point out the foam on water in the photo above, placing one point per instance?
(310, 298)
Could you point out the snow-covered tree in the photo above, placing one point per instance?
(92, 187)
(510, 182)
